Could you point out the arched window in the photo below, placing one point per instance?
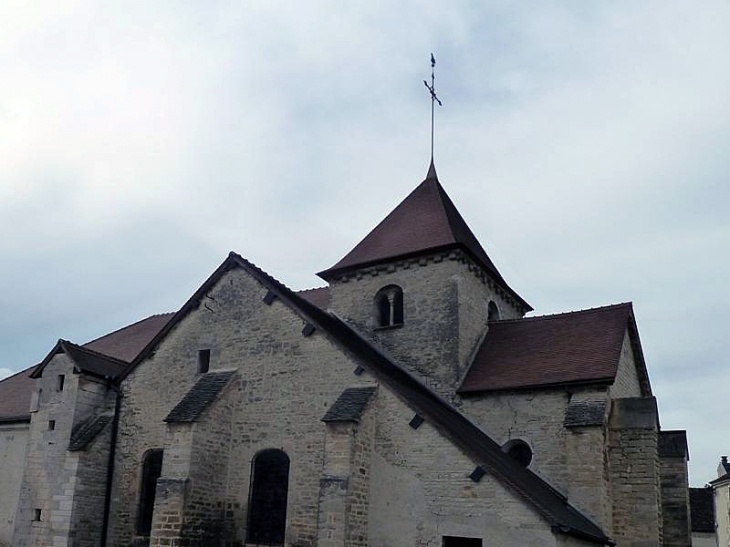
(492, 311)
(519, 451)
(267, 503)
(389, 306)
(151, 471)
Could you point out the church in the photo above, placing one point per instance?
(409, 402)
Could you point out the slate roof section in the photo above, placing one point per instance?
(16, 390)
(554, 350)
(200, 397)
(350, 405)
(673, 444)
(702, 510)
(86, 432)
(425, 221)
(549, 503)
(585, 413)
(320, 297)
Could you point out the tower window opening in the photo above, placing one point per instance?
(389, 306)
(61, 381)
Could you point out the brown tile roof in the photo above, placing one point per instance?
(425, 221)
(575, 347)
(123, 344)
(127, 342)
(15, 394)
(320, 296)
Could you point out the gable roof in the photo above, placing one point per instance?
(569, 348)
(85, 360)
(425, 221)
(16, 390)
(550, 504)
(320, 296)
(200, 397)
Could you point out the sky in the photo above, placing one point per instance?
(585, 143)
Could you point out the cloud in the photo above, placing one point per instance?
(583, 143)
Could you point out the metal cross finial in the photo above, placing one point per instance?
(434, 99)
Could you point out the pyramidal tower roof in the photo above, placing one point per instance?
(425, 221)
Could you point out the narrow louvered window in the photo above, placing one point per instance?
(267, 503)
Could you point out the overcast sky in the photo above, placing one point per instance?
(585, 143)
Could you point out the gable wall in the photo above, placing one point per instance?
(445, 314)
(13, 444)
(420, 489)
(572, 460)
(626, 383)
(284, 385)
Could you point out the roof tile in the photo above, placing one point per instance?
(575, 347)
(350, 405)
(200, 397)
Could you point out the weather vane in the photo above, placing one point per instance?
(434, 99)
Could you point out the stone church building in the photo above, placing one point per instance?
(410, 402)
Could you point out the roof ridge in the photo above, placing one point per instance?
(565, 313)
(93, 352)
(324, 287)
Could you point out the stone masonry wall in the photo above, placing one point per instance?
(13, 445)
(445, 313)
(626, 383)
(634, 472)
(90, 490)
(284, 385)
(420, 490)
(56, 481)
(572, 460)
(676, 527)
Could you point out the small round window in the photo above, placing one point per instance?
(519, 451)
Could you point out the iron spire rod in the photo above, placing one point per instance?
(434, 99)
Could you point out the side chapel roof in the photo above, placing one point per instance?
(568, 348)
(425, 221)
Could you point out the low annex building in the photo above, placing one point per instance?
(409, 402)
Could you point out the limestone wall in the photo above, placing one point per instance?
(626, 383)
(675, 501)
(284, 384)
(420, 490)
(13, 444)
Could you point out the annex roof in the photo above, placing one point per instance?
(464, 433)
(568, 348)
(425, 221)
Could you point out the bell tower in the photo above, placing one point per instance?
(421, 286)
